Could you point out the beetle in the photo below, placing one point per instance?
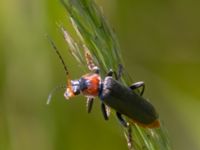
(112, 94)
(115, 95)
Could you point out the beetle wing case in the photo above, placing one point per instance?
(125, 101)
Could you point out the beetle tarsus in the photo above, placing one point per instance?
(128, 136)
(138, 85)
(121, 119)
(108, 110)
(103, 109)
(96, 70)
(110, 73)
(89, 104)
(90, 62)
(119, 72)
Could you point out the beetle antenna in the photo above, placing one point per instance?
(53, 91)
(59, 55)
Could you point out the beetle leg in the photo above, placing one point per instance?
(89, 60)
(89, 104)
(119, 72)
(110, 73)
(128, 136)
(121, 119)
(108, 110)
(103, 109)
(138, 85)
(96, 69)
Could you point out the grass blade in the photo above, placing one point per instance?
(95, 33)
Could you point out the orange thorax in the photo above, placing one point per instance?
(93, 84)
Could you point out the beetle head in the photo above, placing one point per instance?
(73, 88)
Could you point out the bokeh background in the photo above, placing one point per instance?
(160, 44)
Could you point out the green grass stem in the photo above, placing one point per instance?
(95, 33)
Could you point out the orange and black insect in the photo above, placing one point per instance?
(112, 94)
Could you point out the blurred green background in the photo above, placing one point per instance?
(160, 43)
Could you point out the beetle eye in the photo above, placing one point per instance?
(76, 90)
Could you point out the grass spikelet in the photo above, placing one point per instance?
(96, 35)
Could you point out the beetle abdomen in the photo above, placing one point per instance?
(125, 101)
